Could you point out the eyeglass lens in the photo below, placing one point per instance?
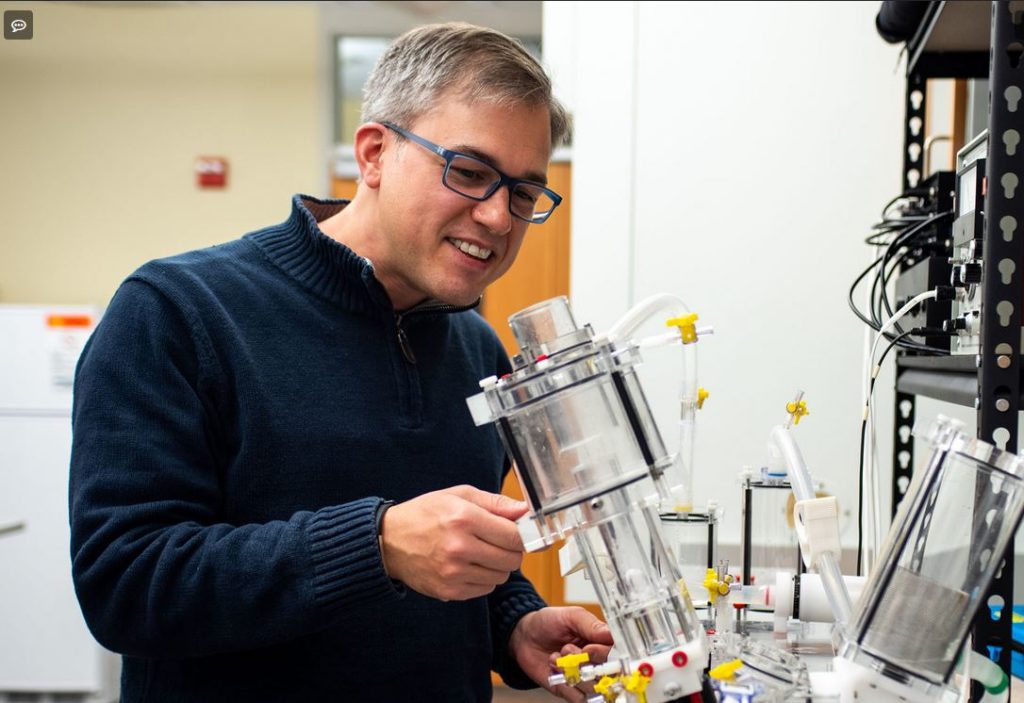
(476, 179)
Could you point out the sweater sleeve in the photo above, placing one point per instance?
(156, 571)
(508, 604)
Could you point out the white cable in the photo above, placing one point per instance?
(865, 509)
(870, 468)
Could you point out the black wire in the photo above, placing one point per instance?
(888, 335)
(894, 245)
(898, 339)
(884, 288)
(901, 196)
(876, 239)
(902, 239)
(882, 263)
(853, 288)
(863, 433)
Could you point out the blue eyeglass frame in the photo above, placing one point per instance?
(448, 155)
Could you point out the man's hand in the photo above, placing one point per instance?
(453, 544)
(541, 636)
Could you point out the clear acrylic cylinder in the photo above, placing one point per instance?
(573, 415)
(769, 540)
(591, 461)
(939, 559)
(633, 576)
(694, 539)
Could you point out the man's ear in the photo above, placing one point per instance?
(369, 150)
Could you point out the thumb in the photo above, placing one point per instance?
(496, 503)
(589, 627)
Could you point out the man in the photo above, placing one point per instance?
(277, 492)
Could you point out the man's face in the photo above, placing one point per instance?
(423, 224)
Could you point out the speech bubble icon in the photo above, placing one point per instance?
(18, 25)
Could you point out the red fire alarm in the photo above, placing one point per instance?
(211, 172)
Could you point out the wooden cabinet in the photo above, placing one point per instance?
(541, 271)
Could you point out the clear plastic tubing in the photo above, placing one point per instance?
(803, 489)
(623, 330)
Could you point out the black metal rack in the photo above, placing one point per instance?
(971, 39)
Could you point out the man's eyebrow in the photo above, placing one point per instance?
(533, 176)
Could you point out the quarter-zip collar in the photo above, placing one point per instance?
(422, 310)
(319, 263)
(333, 271)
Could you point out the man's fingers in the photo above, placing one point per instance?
(498, 531)
(598, 652)
(494, 503)
(488, 556)
(589, 627)
(482, 576)
(569, 693)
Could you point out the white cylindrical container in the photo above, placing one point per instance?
(805, 599)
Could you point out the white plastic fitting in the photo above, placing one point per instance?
(817, 526)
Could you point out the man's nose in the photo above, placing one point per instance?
(493, 213)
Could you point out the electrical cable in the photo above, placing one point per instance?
(871, 372)
(879, 294)
(900, 238)
(860, 473)
(914, 230)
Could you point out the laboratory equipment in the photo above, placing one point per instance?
(766, 514)
(938, 561)
(693, 537)
(45, 647)
(595, 470)
(800, 597)
(816, 520)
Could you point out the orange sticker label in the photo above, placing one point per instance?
(69, 320)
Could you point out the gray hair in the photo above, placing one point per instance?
(479, 64)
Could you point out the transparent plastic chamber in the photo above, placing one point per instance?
(939, 559)
(593, 465)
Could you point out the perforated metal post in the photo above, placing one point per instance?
(999, 376)
(913, 161)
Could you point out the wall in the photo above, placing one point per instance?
(735, 154)
(106, 108)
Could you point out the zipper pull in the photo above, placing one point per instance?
(403, 341)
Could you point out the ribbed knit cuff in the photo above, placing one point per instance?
(348, 569)
(508, 605)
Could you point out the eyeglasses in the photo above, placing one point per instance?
(478, 180)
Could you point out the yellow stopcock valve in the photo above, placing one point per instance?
(637, 683)
(570, 666)
(797, 410)
(604, 687)
(702, 395)
(715, 587)
(726, 671)
(687, 325)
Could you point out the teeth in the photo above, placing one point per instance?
(471, 249)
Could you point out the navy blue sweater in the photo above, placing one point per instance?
(239, 415)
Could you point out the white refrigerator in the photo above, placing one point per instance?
(45, 647)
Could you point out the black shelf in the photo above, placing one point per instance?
(974, 39)
(952, 41)
(956, 363)
(957, 388)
